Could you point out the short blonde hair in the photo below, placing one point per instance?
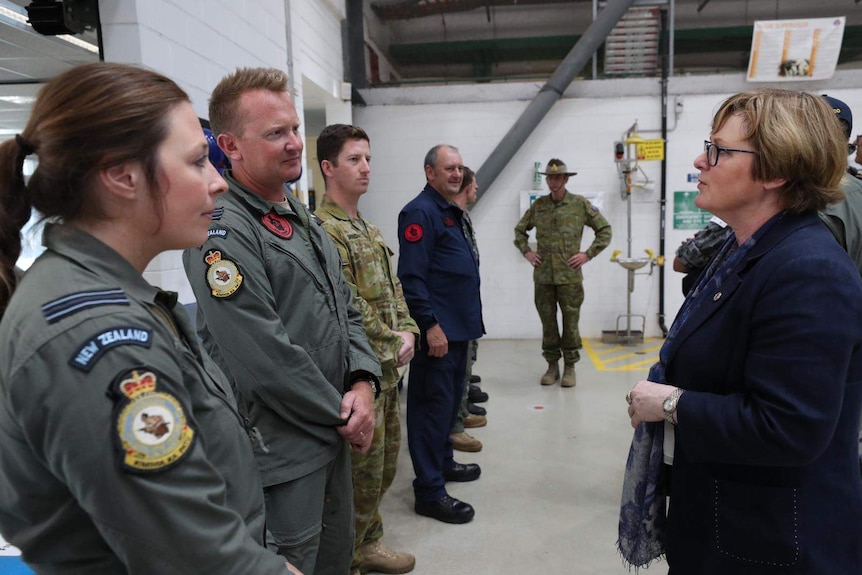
(797, 138)
(225, 115)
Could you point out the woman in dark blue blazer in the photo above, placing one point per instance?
(756, 398)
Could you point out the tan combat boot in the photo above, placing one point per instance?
(378, 557)
(465, 442)
(552, 375)
(568, 376)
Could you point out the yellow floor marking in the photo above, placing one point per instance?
(607, 356)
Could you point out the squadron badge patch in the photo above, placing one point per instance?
(278, 225)
(151, 432)
(413, 233)
(223, 275)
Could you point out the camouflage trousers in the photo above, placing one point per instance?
(463, 411)
(374, 471)
(569, 298)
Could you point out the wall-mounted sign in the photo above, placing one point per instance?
(651, 150)
(686, 215)
(794, 50)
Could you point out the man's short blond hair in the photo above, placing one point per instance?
(224, 111)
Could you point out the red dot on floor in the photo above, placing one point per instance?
(538, 407)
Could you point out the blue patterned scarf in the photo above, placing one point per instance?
(642, 509)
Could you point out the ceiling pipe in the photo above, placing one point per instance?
(552, 91)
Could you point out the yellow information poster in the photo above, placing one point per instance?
(794, 50)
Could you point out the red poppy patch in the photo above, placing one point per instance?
(413, 233)
(278, 225)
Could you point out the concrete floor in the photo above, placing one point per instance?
(552, 469)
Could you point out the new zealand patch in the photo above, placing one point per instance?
(94, 348)
(217, 233)
(448, 222)
(223, 276)
(278, 225)
(413, 233)
(151, 432)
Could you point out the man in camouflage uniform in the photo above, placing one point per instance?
(559, 219)
(694, 253)
(344, 155)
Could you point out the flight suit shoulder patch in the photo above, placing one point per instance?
(151, 432)
(413, 233)
(71, 304)
(216, 232)
(223, 275)
(218, 213)
(89, 353)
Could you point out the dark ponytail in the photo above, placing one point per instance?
(14, 212)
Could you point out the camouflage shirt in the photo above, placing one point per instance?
(695, 252)
(366, 261)
(559, 230)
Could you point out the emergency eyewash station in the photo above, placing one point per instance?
(629, 152)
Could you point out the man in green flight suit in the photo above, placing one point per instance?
(344, 154)
(559, 219)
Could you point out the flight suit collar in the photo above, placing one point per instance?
(438, 198)
(98, 257)
(256, 201)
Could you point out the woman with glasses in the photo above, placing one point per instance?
(121, 448)
(756, 398)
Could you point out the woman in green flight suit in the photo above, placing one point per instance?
(123, 451)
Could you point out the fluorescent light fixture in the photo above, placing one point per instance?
(14, 13)
(20, 100)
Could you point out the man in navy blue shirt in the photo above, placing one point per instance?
(439, 272)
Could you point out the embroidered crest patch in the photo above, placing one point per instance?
(413, 233)
(151, 432)
(223, 275)
(278, 225)
(94, 348)
(448, 222)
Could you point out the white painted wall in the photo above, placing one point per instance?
(580, 129)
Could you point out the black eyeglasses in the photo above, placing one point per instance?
(713, 150)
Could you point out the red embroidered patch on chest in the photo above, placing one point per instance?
(448, 222)
(278, 225)
(413, 233)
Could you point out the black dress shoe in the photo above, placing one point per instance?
(446, 509)
(476, 395)
(463, 472)
(475, 379)
(475, 409)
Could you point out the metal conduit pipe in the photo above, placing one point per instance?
(552, 91)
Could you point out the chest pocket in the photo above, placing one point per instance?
(292, 282)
